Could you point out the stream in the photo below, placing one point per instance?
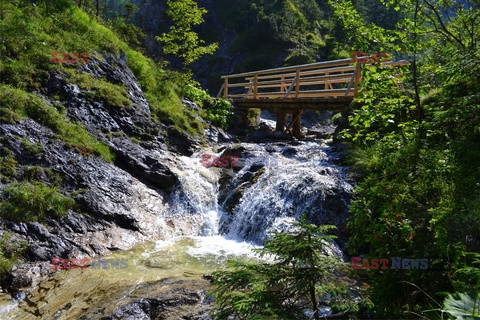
(230, 212)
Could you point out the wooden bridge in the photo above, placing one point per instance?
(329, 85)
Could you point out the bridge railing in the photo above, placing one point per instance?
(329, 79)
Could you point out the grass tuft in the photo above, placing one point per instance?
(26, 201)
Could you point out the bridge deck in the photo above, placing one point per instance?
(322, 104)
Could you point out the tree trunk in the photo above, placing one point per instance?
(313, 297)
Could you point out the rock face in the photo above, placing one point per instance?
(117, 204)
(167, 299)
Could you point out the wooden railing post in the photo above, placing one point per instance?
(358, 78)
(328, 85)
(225, 91)
(297, 84)
(220, 91)
(255, 86)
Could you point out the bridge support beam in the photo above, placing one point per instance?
(241, 117)
(297, 124)
(280, 120)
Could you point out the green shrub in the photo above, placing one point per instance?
(8, 165)
(37, 174)
(11, 252)
(113, 94)
(8, 116)
(253, 115)
(33, 149)
(127, 32)
(299, 275)
(219, 113)
(33, 202)
(199, 96)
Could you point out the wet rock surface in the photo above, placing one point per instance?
(167, 299)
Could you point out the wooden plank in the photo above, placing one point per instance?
(304, 94)
(225, 88)
(250, 89)
(234, 96)
(312, 83)
(303, 82)
(291, 105)
(297, 115)
(263, 74)
(329, 77)
(297, 83)
(305, 73)
(328, 83)
(277, 82)
(301, 100)
(280, 125)
(236, 85)
(255, 87)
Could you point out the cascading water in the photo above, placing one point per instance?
(304, 181)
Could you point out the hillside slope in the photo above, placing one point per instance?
(86, 149)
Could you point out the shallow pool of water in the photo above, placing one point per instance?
(69, 294)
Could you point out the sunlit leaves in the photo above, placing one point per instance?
(181, 40)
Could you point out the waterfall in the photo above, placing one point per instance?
(305, 181)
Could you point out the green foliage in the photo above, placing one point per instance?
(114, 95)
(294, 281)
(127, 32)
(417, 154)
(199, 96)
(383, 109)
(220, 114)
(8, 165)
(34, 149)
(74, 135)
(38, 174)
(217, 111)
(297, 30)
(463, 306)
(363, 35)
(11, 253)
(253, 115)
(25, 202)
(181, 40)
